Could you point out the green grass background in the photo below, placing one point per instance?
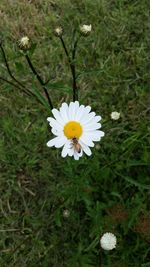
(110, 191)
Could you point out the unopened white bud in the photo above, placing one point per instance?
(115, 115)
(58, 31)
(85, 29)
(24, 43)
(97, 147)
(108, 241)
(66, 213)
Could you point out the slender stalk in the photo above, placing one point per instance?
(72, 68)
(47, 82)
(75, 48)
(34, 70)
(23, 88)
(40, 80)
(8, 68)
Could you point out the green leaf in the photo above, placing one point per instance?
(135, 183)
(57, 218)
(93, 244)
(60, 86)
(40, 97)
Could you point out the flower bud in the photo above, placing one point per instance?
(98, 147)
(115, 115)
(66, 213)
(108, 241)
(58, 31)
(24, 43)
(85, 29)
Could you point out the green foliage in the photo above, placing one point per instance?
(108, 192)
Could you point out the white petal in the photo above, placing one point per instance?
(61, 140)
(92, 127)
(76, 155)
(73, 107)
(66, 149)
(92, 119)
(56, 125)
(81, 153)
(96, 135)
(56, 132)
(88, 118)
(76, 106)
(88, 109)
(51, 142)
(86, 149)
(79, 113)
(71, 111)
(85, 138)
(97, 118)
(71, 152)
(49, 119)
(57, 116)
(64, 112)
(58, 141)
(85, 114)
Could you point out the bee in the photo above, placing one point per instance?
(76, 145)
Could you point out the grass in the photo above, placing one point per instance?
(106, 192)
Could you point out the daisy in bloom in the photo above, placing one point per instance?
(75, 128)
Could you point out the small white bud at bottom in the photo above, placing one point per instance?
(66, 213)
(108, 241)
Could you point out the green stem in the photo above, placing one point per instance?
(8, 68)
(40, 80)
(73, 70)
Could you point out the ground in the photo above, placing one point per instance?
(54, 210)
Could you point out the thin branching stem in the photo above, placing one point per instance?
(34, 70)
(8, 68)
(40, 80)
(75, 48)
(19, 85)
(47, 82)
(72, 68)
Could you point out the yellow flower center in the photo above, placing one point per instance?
(72, 129)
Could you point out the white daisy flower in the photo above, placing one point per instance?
(115, 115)
(108, 241)
(75, 128)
